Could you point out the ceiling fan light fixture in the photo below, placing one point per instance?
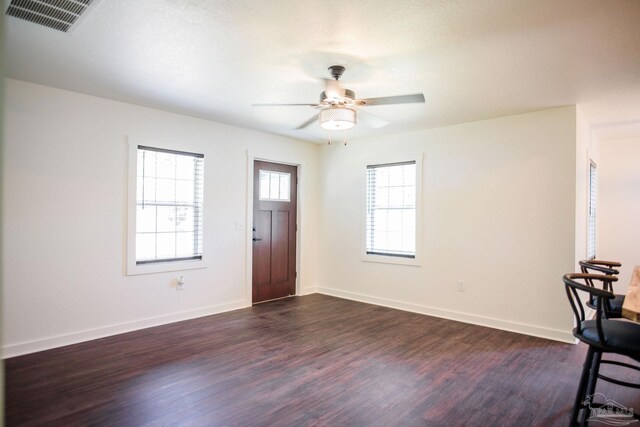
(338, 118)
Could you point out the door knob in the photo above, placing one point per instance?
(255, 239)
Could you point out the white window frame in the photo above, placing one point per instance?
(391, 259)
(132, 267)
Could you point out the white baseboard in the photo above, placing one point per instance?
(505, 325)
(11, 350)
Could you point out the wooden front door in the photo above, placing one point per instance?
(274, 230)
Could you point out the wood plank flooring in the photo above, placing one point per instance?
(313, 360)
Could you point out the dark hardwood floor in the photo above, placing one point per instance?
(313, 360)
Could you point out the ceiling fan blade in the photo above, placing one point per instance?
(371, 120)
(387, 100)
(308, 122)
(283, 105)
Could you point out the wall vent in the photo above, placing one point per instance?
(57, 14)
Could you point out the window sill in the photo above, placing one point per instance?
(384, 259)
(134, 269)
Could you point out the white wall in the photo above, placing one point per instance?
(499, 214)
(64, 205)
(618, 211)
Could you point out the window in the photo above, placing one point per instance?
(274, 186)
(591, 221)
(391, 226)
(166, 209)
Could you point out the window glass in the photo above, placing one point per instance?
(168, 205)
(391, 209)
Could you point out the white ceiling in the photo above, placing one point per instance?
(472, 59)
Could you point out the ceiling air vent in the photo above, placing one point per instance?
(57, 14)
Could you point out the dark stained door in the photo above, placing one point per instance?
(274, 230)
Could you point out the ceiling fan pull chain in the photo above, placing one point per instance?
(329, 141)
(346, 136)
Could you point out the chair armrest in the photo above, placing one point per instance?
(568, 279)
(598, 267)
(609, 264)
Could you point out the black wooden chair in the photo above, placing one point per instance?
(613, 307)
(602, 335)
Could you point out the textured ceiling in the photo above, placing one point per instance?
(472, 59)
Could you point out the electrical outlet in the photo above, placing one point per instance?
(180, 284)
(460, 286)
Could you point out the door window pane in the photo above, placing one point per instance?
(275, 186)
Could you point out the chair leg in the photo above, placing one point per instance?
(591, 385)
(582, 386)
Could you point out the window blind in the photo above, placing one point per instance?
(591, 222)
(391, 209)
(169, 207)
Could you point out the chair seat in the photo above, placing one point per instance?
(615, 304)
(620, 336)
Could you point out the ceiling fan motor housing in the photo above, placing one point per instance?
(348, 94)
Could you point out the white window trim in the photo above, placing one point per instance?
(132, 267)
(390, 259)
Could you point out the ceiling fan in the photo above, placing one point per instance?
(339, 107)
